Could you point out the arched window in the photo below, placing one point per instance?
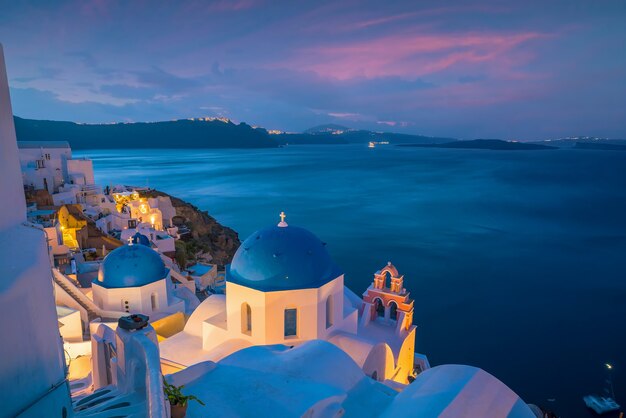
(291, 322)
(246, 319)
(329, 311)
(154, 301)
(393, 311)
(387, 280)
(380, 308)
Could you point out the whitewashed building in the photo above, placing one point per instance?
(48, 165)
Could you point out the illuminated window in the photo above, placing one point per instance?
(291, 322)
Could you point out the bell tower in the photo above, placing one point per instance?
(387, 300)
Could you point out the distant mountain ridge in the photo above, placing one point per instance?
(223, 133)
(188, 133)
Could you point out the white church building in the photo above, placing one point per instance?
(134, 279)
(283, 287)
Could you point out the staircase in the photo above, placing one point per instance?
(65, 284)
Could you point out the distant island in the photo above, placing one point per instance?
(187, 133)
(490, 144)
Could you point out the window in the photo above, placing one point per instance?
(153, 300)
(246, 319)
(387, 280)
(40, 164)
(380, 308)
(329, 311)
(393, 311)
(291, 322)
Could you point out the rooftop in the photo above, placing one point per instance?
(282, 257)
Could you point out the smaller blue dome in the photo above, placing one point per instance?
(141, 239)
(131, 266)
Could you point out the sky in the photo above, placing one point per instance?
(489, 69)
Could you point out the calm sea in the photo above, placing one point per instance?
(516, 260)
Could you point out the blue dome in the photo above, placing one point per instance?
(141, 239)
(282, 258)
(131, 266)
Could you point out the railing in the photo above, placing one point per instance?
(48, 391)
(82, 299)
(153, 380)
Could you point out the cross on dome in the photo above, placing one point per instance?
(282, 222)
(130, 240)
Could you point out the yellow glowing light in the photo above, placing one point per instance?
(143, 209)
(152, 219)
(609, 366)
(62, 227)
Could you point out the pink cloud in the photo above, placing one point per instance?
(394, 123)
(345, 115)
(409, 55)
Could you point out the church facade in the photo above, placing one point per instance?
(283, 287)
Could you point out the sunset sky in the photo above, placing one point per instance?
(517, 69)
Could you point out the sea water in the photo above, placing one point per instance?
(516, 259)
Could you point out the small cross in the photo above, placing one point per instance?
(130, 240)
(282, 216)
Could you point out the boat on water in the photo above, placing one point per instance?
(372, 144)
(601, 404)
(604, 404)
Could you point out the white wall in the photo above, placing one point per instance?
(81, 168)
(139, 298)
(72, 329)
(268, 313)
